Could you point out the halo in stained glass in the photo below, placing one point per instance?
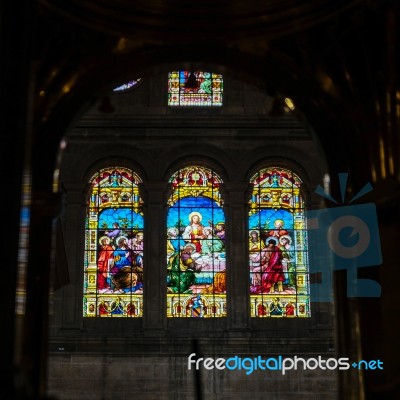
(195, 88)
(196, 258)
(278, 254)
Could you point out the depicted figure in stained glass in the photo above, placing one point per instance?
(278, 230)
(126, 280)
(275, 181)
(117, 307)
(105, 198)
(115, 232)
(261, 310)
(255, 244)
(205, 83)
(115, 179)
(136, 245)
(104, 264)
(130, 309)
(289, 309)
(271, 270)
(175, 242)
(122, 254)
(288, 260)
(103, 308)
(218, 285)
(194, 231)
(219, 229)
(211, 243)
(180, 270)
(255, 259)
(275, 308)
(127, 273)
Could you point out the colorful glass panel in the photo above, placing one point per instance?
(127, 85)
(113, 263)
(20, 296)
(196, 262)
(278, 256)
(197, 88)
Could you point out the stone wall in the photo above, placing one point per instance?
(114, 358)
(168, 378)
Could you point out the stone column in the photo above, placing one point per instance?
(74, 224)
(16, 26)
(154, 313)
(44, 208)
(236, 208)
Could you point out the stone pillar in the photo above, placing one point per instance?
(16, 26)
(71, 317)
(236, 208)
(44, 208)
(154, 313)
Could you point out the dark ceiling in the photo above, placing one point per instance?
(336, 59)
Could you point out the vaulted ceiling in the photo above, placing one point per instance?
(337, 60)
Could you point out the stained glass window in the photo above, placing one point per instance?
(194, 88)
(278, 258)
(196, 262)
(113, 264)
(127, 85)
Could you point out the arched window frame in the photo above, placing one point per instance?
(195, 193)
(113, 262)
(279, 276)
(306, 303)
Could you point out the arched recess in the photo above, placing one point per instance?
(196, 257)
(113, 262)
(278, 253)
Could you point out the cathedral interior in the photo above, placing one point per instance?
(310, 87)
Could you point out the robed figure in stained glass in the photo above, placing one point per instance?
(194, 231)
(180, 270)
(271, 265)
(104, 263)
(271, 270)
(288, 257)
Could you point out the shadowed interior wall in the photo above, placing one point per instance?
(117, 358)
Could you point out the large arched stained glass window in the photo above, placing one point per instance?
(113, 266)
(195, 88)
(196, 263)
(279, 284)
